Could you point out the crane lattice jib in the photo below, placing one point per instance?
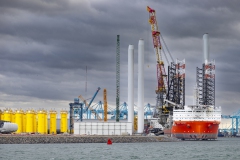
(155, 33)
(105, 104)
(161, 75)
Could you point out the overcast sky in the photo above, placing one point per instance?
(45, 46)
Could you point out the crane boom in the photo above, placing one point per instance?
(161, 74)
(93, 98)
(170, 91)
(161, 112)
(88, 105)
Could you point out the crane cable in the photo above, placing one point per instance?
(165, 56)
(166, 47)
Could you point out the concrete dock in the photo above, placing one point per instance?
(40, 139)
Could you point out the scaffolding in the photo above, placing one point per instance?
(176, 84)
(206, 83)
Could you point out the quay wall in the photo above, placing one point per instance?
(37, 139)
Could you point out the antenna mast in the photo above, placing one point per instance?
(86, 84)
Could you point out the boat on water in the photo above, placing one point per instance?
(196, 122)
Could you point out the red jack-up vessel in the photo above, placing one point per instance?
(198, 121)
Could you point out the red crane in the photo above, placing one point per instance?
(161, 75)
(172, 90)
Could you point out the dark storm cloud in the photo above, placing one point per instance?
(45, 46)
(36, 6)
(188, 18)
(85, 25)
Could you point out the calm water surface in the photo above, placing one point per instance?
(223, 148)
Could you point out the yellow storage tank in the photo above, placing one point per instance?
(53, 122)
(41, 122)
(34, 122)
(46, 123)
(29, 121)
(64, 123)
(24, 122)
(13, 117)
(19, 120)
(1, 114)
(7, 115)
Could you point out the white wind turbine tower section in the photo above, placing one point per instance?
(140, 86)
(131, 83)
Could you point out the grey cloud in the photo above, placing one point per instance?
(45, 46)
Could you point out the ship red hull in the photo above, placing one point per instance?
(194, 129)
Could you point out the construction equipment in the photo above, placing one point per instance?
(176, 85)
(98, 108)
(89, 105)
(171, 88)
(178, 105)
(123, 111)
(235, 125)
(105, 104)
(93, 98)
(161, 75)
(148, 111)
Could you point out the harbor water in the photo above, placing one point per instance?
(222, 148)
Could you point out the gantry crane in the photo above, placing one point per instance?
(88, 105)
(235, 125)
(161, 74)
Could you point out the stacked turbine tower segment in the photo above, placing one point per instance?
(140, 86)
(176, 83)
(180, 80)
(206, 77)
(130, 83)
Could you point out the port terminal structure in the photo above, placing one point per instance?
(80, 125)
(80, 112)
(43, 122)
(46, 122)
(233, 129)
